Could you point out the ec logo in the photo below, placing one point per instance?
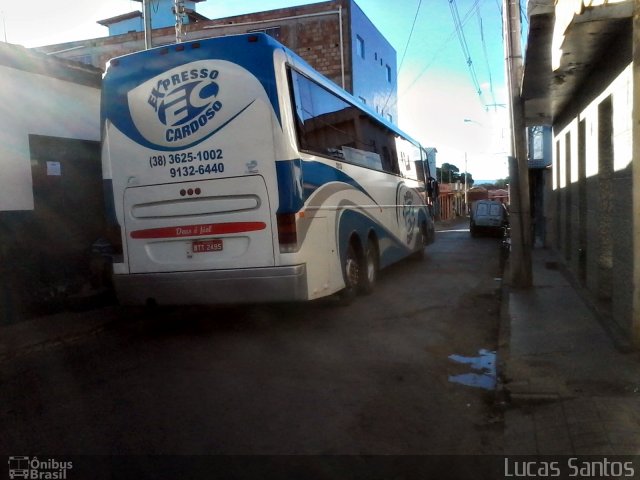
(183, 106)
(185, 102)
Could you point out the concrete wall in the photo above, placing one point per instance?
(592, 202)
(36, 103)
(51, 203)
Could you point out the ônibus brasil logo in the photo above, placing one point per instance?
(185, 101)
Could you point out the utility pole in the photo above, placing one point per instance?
(178, 11)
(520, 261)
(146, 14)
(466, 195)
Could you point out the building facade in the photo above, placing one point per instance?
(334, 37)
(582, 79)
(51, 203)
(162, 16)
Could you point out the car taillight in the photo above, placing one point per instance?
(287, 232)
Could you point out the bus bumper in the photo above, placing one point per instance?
(247, 285)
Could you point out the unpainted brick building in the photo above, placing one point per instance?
(334, 37)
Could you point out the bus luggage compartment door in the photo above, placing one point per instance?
(199, 225)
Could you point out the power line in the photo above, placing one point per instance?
(486, 56)
(440, 49)
(523, 16)
(463, 44)
(406, 47)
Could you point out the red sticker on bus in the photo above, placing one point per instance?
(207, 229)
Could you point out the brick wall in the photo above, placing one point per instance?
(314, 36)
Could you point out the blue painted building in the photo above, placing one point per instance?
(374, 65)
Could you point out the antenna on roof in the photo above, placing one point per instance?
(179, 11)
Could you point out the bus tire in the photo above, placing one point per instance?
(370, 267)
(351, 271)
(421, 240)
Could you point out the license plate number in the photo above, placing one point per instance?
(204, 246)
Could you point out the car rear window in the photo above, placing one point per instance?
(482, 209)
(496, 209)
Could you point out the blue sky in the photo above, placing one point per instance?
(436, 90)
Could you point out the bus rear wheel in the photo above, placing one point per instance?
(351, 272)
(370, 263)
(421, 242)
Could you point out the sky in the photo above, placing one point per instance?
(439, 103)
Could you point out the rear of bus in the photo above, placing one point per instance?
(189, 150)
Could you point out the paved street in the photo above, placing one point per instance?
(385, 375)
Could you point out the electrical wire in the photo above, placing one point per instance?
(406, 47)
(486, 57)
(440, 49)
(523, 16)
(464, 45)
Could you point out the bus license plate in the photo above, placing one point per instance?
(203, 246)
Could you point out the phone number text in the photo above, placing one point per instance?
(181, 158)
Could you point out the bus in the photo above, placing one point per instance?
(235, 173)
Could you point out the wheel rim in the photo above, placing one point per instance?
(352, 269)
(371, 265)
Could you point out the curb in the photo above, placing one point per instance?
(502, 394)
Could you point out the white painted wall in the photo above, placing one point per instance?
(621, 92)
(38, 105)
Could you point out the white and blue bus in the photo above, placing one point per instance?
(236, 173)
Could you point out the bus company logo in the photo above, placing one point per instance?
(34, 468)
(185, 101)
(184, 105)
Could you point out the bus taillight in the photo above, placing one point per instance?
(287, 233)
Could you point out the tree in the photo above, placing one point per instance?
(469, 179)
(449, 173)
(502, 183)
